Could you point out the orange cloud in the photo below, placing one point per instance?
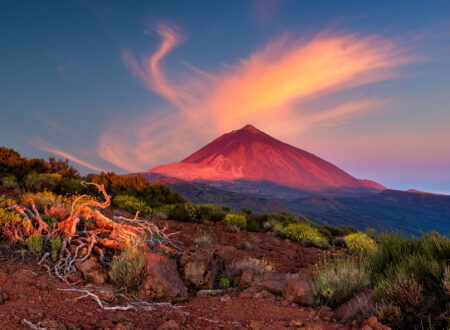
(281, 73)
(269, 89)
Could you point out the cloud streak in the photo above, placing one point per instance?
(269, 88)
(42, 144)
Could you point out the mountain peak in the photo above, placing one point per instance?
(250, 154)
(250, 128)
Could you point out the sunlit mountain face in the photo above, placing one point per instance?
(249, 156)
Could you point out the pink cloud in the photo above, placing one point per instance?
(268, 88)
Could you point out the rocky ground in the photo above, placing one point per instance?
(31, 298)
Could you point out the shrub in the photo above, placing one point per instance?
(9, 182)
(336, 281)
(255, 222)
(408, 276)
(42, 200)
(155, 195)
(56, 245)
(34, 243)
(363, 308)
(305, 234)
(217, 215)
(59, 211)
(203, 238)
(257, 266)
(133, 205)
(12, 225)
(402, 301)
(184, 212)
(237, 221)
(224, 283)
(359, 244)
(128, 269)
(38, 182)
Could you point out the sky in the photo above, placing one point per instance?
(126, 86)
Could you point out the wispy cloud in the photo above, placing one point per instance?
(267, 89)
(44, 145)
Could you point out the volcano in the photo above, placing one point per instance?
(251, 155)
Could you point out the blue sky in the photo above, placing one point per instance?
(85, 80)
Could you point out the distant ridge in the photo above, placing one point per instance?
(252, 155)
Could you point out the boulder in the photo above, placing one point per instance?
(298, 291)
(273, 286)
(199, 268)
(92, 270)
(272, 282)
(161, 282)
(245, 280)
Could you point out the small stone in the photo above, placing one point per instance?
(246, 295)
(225, 298)
(295, 323)
(171, 324)
(177, 315)
(256, 325)
(4, 297)
(106, 294)
(51, 325)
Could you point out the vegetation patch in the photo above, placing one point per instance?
(305, 234)
(235, 221)
(359, 244)
(128, 269)
(336, 281)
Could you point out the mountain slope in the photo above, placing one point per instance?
(249, 154)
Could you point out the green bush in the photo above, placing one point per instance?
(359, 244)
(56, 245)
(305, 234)
(45, 181)
(336, 281)
(409, 279)
(255, 221)
(224, 283)
(133, 205)
(9, 182)
(185, 212)
(34, 243)
(237, 221)
(128, 269)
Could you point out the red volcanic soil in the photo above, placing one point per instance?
(251, 154)
(27, 292)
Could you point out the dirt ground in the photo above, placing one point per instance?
(28, 293)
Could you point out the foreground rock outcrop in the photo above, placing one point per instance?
(161, 282)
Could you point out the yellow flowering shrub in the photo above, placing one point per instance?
(235, 220)
(306, 234)
(359, 244)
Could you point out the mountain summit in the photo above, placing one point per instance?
(250, 154)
